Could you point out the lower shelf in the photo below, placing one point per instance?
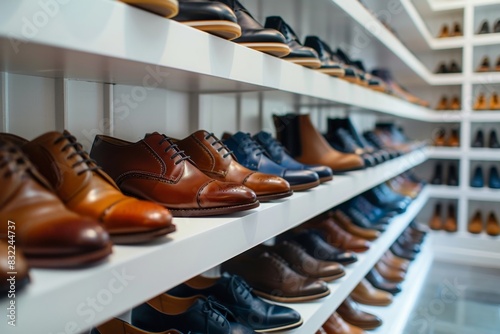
(317, 312)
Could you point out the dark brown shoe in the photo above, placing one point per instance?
(155, 169)
(390, 273)
(87, 190)
(303, 263)
(346, 223)
(336, 325)
(118, 326)
(49, 234)
(214, 159)
(271, 277)
(350, 312)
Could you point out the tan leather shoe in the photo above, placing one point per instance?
(457, 30)
(403, 188)
(349, 311)
(10, 254)
(346, 223)
(485, 65)
(365, 293)
(307, 145)
(395, 261)
(214, 159)
(49, 234)
(476, 223)
(165, 8)
(336, 325)
(481, 103)
(454, 138)
(443, 104)
(436, 223)
(494, 102)
(118, 326)
(155, 169)
(390, 273)
(439, 137)
(87, 190)
(455, 103)
(444, 32)
(450, 224)
(492, 225)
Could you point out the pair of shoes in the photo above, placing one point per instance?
(477, 180)
(449, 224)
(484, 28)
(479, 140)
(485, 66)
(447, 32)
(440, 138)
(482, 104)
(452, 68)
(452, 177)
(476, 225)
(452, 104)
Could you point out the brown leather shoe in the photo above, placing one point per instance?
(365, 293)
(403, 188)
(395, 261)
(301, 262)
(492, 225)
(444, 32)
(450, 224)
(346, 223)
(49, 234)
(271, 277)
(390, 273)
(9, 254)
(455, 103)
(485, 65)
(336, 325)
(453, 139)
(85, 189)
(494, 102)
(436, 223)
(439, 137)
(214, 159)
(118, 326)
(307, 145)
(337, 237)
(442, 104)
(155, 169)
(476, 223)
(480, 103)
(350, 312)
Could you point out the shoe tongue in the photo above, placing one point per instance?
(154, 135)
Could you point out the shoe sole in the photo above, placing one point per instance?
(369, 302)
(275, 49)
(331, 278)
(165, 8)
(271, 197)
(339, 73)
(141, 237)
(213, 211)
(292, 299)
(224, 29)
(306, 62)
(325, 179)
(72, 261)
(281, 328)
(305, 186)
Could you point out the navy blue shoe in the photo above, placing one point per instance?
(494, 178)
(377, 197)
(235, 294)
(477, 180)
(359, 219)
(251, 155)
(198, 315)
(277, 153)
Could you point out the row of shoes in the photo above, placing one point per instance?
(480, 141)
(442, 139)
(482, 103)
(485, 65)
(446, 103)
(484, 28)
(477, 179)
(453, 67)
(477, 225)
(454, 31)
(440, 221)
(451, 178)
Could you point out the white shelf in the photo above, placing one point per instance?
(444, 152)
(486, 39)
(487, 78)
(483, 194)
(158, 267)
(317, 312)
(485, 116)
(445, 5)
(484, 154)
(443, 191)
(396, 315)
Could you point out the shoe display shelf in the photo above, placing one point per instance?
(315, 313)
(436, 152)
(483, 194)
(487, 154)
(485, 116)
(443, 191)
(136, 273)
(395, 316)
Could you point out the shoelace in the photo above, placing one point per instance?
(249, 145)
(72, 142)
(219, 141)
(216, 311)
(13, 154)
(178, 152)
(238, 285)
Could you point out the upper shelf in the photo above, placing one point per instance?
(442, 5)
(136, 273)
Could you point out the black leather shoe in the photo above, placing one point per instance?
(235, 294)
(359, 219)
(375, 214)
(479, 139)
(452, 176)
(496, 26)
(299, 54)
(361, 75)
(438, 175)
(254, 35)
(381, 283)
(318, 248)
(341, 140)
(277, 153)
(328, 65)
(477, 180)
(251, 155)
(372, 81)
(454, 68)
(494, 178)
(484, 28)
(408, 254)
(493, 140)
(377, 197)
(195, 314)
(408, 244)
(442, 69)
(210, 16)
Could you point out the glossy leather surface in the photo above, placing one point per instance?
(365, 293)
(380, 283)
(156, 170)
(323, 52)
(336, 325)
(349, 311)
(492, 225)
(202, 10)
(346, 223)
(214, 159)
(493, 178)
(359, 219)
